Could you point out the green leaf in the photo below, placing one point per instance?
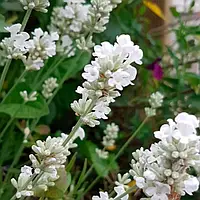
(71, 163)
(174, 12)
(142, 10)
(2, 24)
(193, 79)
(102, 167)
(192, 4)
(29, 110)
(13, 105)
(81, 176)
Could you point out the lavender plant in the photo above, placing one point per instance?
(162, 172)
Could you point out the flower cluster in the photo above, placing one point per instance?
(68, 22)
(40, 48)
(38, 5)
(32, 52)
(49, 86)
(99, 14)
(155, 101)
(77, 19)
(111, 133)
(163, 170)
(15, 46)
(97, 18)
(108, 74)
(28, 97)
(25, 175)
(50, 156)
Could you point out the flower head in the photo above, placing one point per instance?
(38, 5)
(162, 171)
(109, 72)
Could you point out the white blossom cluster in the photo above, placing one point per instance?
(155, 101)
(49, 86)
(28, 97)
(38, 5)
(99, 13)
(15, 46)
(40, 48)
(104, 195)
(111, 133)
(102, 153)
(108, 74)
(50, 156)
(163, 170)
(77, 19)
(33, 52)
(68, 22)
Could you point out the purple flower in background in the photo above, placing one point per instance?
(156, 69)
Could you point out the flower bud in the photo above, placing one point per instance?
(175, 175)
(168, 172)
(170, 181)
(175, 154)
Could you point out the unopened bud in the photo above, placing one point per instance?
(175, 175)
(175, 154)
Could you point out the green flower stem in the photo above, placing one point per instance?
(131, 189)
(130, 139)
(4, 73)
(118, 154)
(6, 127)
(25, 20)
(13, 87)
(96, 180)
(79, 123)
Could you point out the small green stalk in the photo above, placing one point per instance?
(79, 123)
(25, 20)
(13, 87)
(130, 139)
(6, 127)
(4, 73)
